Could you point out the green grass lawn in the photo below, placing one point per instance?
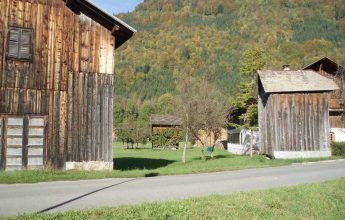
(147, 162)
(309, 201)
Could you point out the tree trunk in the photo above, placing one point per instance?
(251, 143)
(203, 157)
(185, 148)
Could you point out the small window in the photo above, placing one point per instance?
(19, 43)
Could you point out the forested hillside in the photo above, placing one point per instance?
(198, 37)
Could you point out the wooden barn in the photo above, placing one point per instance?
(293, 113)
(56, 84)
(330, 69)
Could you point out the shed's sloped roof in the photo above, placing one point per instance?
(295, 81)
(165, 120)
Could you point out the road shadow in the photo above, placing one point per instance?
(131, 163)
(82, 196)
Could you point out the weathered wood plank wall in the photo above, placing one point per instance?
(69, 79)
(293, 122)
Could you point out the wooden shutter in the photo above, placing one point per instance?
(20, 43)
(13, 42)
(25, 44)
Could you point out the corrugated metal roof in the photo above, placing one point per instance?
(295, 81)
(165, 120)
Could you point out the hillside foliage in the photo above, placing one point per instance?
(209, 37)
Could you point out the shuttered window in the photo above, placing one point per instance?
(19, 43)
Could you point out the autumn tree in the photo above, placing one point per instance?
(244, 107)
(201, 108)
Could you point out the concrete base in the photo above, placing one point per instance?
(300, 154)
(236, 149)
(90, 165)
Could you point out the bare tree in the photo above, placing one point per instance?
(201, 108)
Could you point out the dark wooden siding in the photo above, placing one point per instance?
(69, 79)
(293, 122)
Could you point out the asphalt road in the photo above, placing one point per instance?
(72, 195)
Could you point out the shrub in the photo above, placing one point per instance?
(167, 137)
(338, 148)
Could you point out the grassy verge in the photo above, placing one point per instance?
(146, 162)
(309, 201)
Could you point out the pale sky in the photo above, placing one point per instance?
(117, 6)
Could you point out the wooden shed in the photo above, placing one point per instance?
(330, 69)
(159, 123)
(293, 113)
(56, 83)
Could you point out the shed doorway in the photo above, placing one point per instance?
(22, 141)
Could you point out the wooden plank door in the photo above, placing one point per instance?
(35, 142)
(22, 142)
(13, 142)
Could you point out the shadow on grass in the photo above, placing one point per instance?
(208, 157)
(151, 174)
(130, 163)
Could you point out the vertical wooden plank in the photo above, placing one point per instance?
(80, 115)
(51, 48)
(110, 54)
(85, 119)
(75, 132)
(326, 121)
(103, 52)
(97, 48)
(65, 49)
(106, 120)
(76, 45)
(13, 16)
(62, 129)
(92, 46)
(45, 51)
(99, 117)
(94, 117)
(110, 119)
(89, 116)
(70, 118)
(58, 48)
(33, 78)
(4, 14)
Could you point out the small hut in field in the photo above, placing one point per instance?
(56, 84)
(161, 123)
(330, 69)
(294, 113)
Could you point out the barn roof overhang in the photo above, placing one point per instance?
(326, 64)
(295, 81)
(118, 28)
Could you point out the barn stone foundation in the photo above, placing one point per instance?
(90, 166)
(300, 154)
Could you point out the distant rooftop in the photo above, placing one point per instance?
(324, 63)
(167, 120)
(295, 81)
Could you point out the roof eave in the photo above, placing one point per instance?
(119, 28)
